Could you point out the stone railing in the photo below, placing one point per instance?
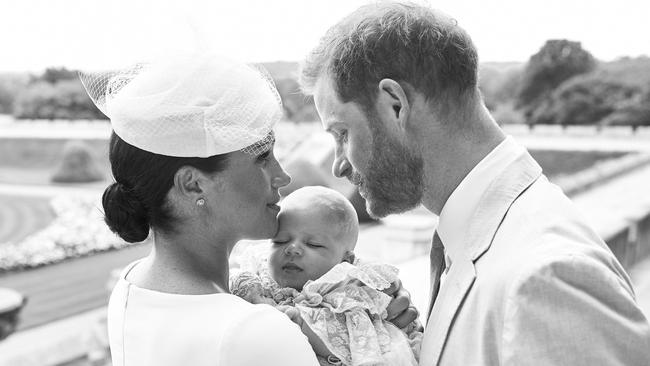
(600, 173)
(631, 244)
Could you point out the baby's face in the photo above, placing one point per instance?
(306, 246)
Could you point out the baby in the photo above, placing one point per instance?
(311, 268)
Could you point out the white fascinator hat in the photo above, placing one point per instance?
(189, 105)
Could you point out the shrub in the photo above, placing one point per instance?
(78, 165)
(506, 114)
(634, 112)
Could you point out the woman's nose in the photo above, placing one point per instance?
(281, 178)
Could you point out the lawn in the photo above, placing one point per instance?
(21, 216)
(34, 161)
(556, 162)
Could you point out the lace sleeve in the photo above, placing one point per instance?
(248, 286)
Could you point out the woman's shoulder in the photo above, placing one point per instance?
(266, 333)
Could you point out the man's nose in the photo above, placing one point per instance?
(341, 166)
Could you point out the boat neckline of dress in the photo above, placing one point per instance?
(128, 269)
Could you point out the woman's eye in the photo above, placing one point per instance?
(279, 242)
(264, 156)
(313, 245)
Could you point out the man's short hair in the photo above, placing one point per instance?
(402, 41)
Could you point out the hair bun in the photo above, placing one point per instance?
(125, 214)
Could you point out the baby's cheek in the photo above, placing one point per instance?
(274, 259)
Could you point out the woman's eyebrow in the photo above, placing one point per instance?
(264, 144)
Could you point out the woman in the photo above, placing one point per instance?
(192, 157)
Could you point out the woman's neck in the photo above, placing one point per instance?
(186, 265)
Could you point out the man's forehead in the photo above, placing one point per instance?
(327, 104)
(325, 96)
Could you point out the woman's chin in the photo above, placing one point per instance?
(263, 232)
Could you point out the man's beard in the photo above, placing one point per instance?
(393, 181)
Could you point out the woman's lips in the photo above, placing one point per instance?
(273, 207)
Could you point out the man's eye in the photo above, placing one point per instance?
(314, 245)
(342, 136)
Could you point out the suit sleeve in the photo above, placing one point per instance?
(266, 337)
(574, 310)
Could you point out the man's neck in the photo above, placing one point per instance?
(453, 153)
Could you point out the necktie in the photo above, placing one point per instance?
(437, 258)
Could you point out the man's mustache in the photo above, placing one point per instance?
(355, 178)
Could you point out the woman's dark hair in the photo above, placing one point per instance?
(137, 199)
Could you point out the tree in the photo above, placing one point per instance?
(583, 100)
(297, 106)
(632, 112)
(53, 75)
(499, 83)
(556, 62)
(10, 86)
(66, 99)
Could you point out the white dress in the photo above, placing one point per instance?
(148, 328)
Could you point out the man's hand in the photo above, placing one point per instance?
(401, 311)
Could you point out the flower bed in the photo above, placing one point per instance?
(77, 230)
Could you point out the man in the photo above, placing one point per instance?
(522, 280)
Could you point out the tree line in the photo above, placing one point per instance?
(561, 84)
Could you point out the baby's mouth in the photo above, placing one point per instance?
(291, 267)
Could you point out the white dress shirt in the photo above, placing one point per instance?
(463, 201)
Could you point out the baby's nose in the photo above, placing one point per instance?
(292, 249)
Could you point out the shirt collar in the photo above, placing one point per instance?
(464, 200)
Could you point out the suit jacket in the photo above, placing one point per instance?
(535, 286)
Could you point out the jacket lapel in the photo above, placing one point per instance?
(492, 208)
(459, 280)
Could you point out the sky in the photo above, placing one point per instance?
(93, 34)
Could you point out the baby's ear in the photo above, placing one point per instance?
(349, 257)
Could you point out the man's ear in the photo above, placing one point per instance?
(349, 257)
(393, 103)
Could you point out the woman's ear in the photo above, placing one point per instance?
(393, 104)
(349, 257)
(189, 182)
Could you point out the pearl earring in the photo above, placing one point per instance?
(200, 202)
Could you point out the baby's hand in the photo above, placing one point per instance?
(292, 313)
(401, 311)
(316, 343)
